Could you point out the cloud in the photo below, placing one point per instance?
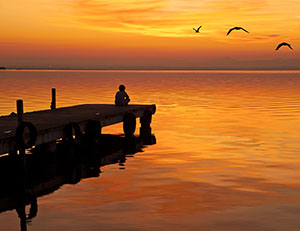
(175, 18)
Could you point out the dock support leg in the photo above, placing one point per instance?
(20, 111)
(145, 120)
(129, 124)
(92, 131)
(23, 157)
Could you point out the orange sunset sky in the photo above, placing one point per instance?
(149, 34)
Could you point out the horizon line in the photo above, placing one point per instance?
(148, 69)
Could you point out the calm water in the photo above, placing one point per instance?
(227, 155)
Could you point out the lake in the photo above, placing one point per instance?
(227, 152)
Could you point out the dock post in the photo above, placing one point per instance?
(20, 110)
(53, 102)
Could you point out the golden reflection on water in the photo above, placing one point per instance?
(227, 152)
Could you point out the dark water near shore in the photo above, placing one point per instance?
(227, 155)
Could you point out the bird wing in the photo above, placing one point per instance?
(199, 27)
(230, 31)
(289, 45)
(279, 45)
(194, 29)
(245, 30)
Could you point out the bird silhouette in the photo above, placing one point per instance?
(197, 31)
(236, 28)
(284, 44)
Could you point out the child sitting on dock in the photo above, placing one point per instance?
(122, 99)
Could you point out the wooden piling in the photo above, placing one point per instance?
(53, 102)
(20, 110)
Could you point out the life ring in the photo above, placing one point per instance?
(71, 129)
(129, 124)
(25, 139)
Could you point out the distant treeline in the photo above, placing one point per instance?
(2, 68)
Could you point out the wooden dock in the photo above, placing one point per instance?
(50, 125)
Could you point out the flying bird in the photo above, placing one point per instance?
(197, 31)
(236, 28)
(284, 44)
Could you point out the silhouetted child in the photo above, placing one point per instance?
(122, 98)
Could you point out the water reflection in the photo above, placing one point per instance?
(50, 166)
(227, 158)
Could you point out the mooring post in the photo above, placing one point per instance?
(53, 102)
(20, 110)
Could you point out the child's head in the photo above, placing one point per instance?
(122, 87)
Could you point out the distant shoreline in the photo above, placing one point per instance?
(140, 69)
